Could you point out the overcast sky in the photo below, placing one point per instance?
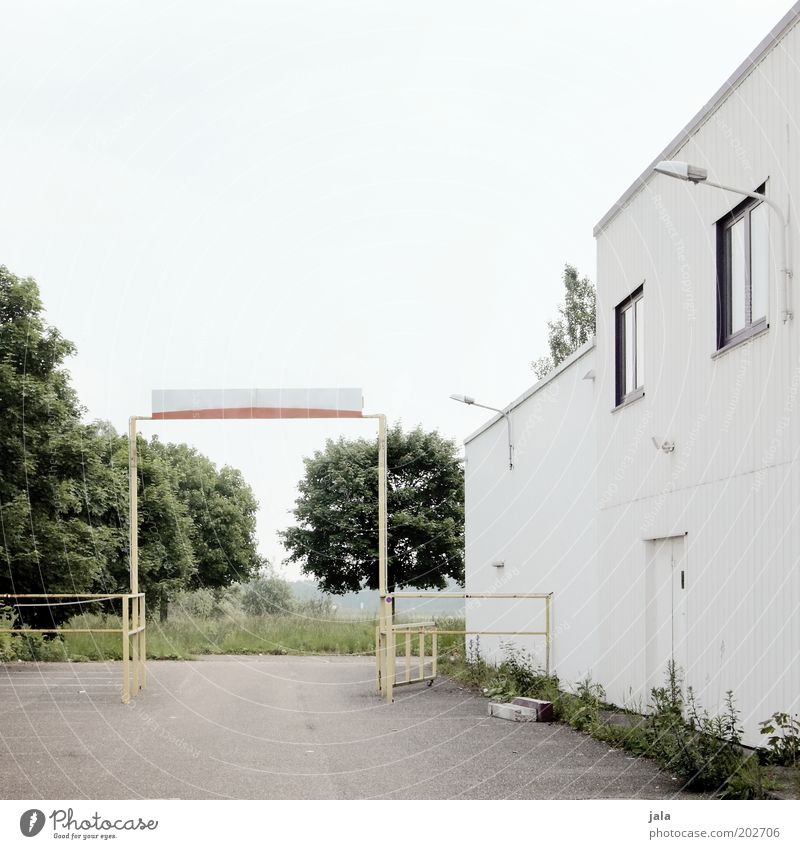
(374, 194)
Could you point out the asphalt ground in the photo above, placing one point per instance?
(287, 728)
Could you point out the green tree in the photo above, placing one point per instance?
(222, 510)
(336, 536)
(64, 486)
(574, 327)
(53, 537)
(166, 555)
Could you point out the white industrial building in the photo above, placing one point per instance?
(656, 480)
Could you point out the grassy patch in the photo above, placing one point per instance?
(185, 636)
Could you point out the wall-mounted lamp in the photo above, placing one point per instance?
(469, 400)
(695, 174)
(498, 564)
(663, 445)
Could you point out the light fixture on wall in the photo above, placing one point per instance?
(499, 564)
(663, 445)
(695, 174)
(469, 400)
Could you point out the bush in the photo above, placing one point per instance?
(198, 604)
(319, 607)
(7, 619)
(28, 646)
(267, 594)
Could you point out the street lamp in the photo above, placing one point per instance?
(695, 174)
(468, 399)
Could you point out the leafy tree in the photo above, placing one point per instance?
(196, 524)
(52, 532)
(64, 486)
(576, 324)
(336, 536)
(166, 555)
(222, 510)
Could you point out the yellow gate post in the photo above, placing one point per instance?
(133, 506)
(143, 643)
(126, 671)
(547, 636)
(385, 648)
(137, 625)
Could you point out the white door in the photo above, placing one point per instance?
(665, 611)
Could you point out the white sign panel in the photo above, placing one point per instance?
(257, 403)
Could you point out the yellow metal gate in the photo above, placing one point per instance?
(387, 632)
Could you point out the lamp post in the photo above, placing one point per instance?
(467, 399)
(695, 174)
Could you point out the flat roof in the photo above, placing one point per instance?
(775, 35)
(573, 358)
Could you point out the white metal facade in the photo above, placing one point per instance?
(537, 520)
(704, 541)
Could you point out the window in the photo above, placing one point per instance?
(630, 347)
(742, 271)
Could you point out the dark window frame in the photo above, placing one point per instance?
(725, 337)
(622, 397)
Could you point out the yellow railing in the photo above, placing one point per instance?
(133, 629)
(386, 639)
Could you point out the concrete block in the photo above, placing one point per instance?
(511, 712)
(543, 709)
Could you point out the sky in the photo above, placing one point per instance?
(373, 194)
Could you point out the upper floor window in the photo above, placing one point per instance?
(630, 347)
(742, 271)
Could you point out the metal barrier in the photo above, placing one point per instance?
(133, 628)
(386, 639)
(421, 630)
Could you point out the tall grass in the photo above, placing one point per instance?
(183, 637)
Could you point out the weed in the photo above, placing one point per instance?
(783, 746)
(749, 781)
(581, 709)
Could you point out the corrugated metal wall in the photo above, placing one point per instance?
(591, 492)
(538, 519)
(731, 485)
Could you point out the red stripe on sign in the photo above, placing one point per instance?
(259, 413)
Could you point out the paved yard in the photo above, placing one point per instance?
(285, 727)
